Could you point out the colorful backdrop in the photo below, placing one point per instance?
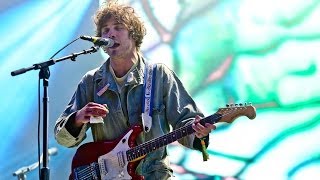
(224, 51)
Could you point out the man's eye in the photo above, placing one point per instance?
(119, 28)
(105, 31)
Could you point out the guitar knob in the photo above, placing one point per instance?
(240, 104)
(227, 105)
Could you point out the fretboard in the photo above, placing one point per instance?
(149, 146)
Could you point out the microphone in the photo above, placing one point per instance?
(99, 41)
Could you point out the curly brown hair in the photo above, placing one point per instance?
(122, 14)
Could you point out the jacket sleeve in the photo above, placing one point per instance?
(180, 107)
(66, 133)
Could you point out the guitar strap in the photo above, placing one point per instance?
(147, 102)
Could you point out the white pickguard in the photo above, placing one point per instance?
(113, 165)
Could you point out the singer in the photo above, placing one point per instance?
(112, 101)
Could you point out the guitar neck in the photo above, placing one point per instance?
(115, 158)
(154, 144)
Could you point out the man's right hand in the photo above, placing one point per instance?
(91, 109)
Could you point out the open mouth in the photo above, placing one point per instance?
(115, 45)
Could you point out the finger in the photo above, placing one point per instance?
(195, 127)
(197, 118)
(90, 104)
(199, 132)
(204, 131)
(81, 117)
(196, 121)
(210, 126)
(93, 104)
(200, 126)
(96, 111)
(198, 135)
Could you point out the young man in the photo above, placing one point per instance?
(115, 91)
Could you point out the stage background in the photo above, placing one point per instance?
(224, 51)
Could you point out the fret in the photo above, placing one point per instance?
(154, 145)
(190, 130)
(148, 146)
(212, 119)
(161, 143)
(164, 140)
(144, 150)
(173, 136)
(184, 131)
(133, 154)
(151, 145)
(157, 143)
(119, 165)
(178, 134)
(170, 140)
(138, 152)
(128, 154)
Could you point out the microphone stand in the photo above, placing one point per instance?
(45, 74)
(21, 172)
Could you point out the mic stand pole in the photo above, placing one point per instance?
(45, 74)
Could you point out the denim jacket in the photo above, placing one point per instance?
(172, 108)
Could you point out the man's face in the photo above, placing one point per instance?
(124, 46)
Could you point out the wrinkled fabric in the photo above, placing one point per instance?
(172, 107)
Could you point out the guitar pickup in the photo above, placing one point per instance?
(103, 166)
(121, 160)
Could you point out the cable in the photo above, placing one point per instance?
(39, 107)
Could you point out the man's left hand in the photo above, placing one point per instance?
(202, 131)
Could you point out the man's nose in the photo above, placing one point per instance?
(111, 34)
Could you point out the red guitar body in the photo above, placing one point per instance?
(118, 159)
(85, 163)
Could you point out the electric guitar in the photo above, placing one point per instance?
(118, 159)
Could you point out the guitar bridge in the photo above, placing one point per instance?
(83, 172)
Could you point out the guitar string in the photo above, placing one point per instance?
(146, 146)
(88, 168)
(87, 171)
(159, 142)
(136, 149)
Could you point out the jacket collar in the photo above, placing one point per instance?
(103, 75)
